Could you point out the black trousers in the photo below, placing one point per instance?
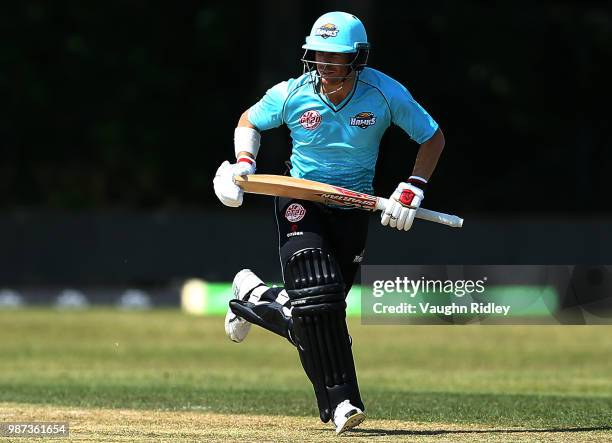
(303, 224)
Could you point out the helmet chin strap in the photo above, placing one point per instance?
(335, 90)
(338, 89)
(317, 78)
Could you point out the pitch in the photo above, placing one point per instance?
(132, 376)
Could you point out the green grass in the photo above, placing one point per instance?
(528, 376)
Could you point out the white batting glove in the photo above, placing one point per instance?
(228, 192)
(403, 204)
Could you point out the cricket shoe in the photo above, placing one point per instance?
(347, 416)
(247, 287)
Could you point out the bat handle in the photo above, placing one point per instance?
(381, 203)
(425, 214)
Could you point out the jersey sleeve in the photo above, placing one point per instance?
(267, 113)
(410, 116)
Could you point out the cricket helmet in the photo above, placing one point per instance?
(337, 32)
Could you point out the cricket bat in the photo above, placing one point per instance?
(284, 186)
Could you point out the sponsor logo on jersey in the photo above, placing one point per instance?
(295, 212)
(363, 120)
(327, 30)
(310, 120)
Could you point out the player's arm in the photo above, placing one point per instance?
(418, 124)
(428, 155)
(246, 146)
(245, 123)
(265, 114)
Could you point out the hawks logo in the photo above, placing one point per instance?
(310, 120)
(295, 212)
(327, 30)
(363, 120)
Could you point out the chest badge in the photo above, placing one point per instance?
(363, 120)
(310, 120)
(294, 213)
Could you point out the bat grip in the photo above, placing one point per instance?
(426, 214)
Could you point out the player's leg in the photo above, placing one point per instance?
(299, 223)
(315, 286)
(255, 302)
(269, 309)
(315, 319)
(348, 231)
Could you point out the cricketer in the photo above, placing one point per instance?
(337, 113)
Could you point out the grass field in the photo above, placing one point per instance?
(130, 376)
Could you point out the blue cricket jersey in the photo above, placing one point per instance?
(339, 144)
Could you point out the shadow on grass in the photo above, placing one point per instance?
(385, 433)
(550, 413)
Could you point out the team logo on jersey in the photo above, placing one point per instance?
(363, 120)
(327, 30)
(310, 120)
(295, 212)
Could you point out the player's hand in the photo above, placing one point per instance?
(402, 206)
(228, 192)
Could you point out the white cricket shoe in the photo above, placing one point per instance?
(347, 416)
(243, 286)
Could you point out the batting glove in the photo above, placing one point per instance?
(228, 192)
(403, 204)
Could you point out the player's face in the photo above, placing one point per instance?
(331, 73)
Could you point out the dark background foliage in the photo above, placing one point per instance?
(132, 104)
